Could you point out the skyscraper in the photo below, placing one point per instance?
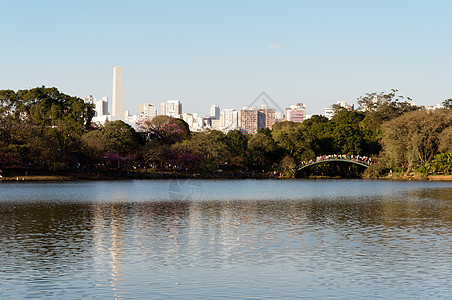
(117, 109)
(267, 117)
(102, 107)
(249, 120)
(229, 119)
(215, 112)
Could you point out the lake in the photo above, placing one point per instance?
(229, 239)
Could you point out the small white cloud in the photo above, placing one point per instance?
(274, 46)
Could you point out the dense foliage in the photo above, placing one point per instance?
(42, 128)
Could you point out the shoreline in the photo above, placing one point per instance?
(166, 176)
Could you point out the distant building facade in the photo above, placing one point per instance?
(229, 119)
(330, 111)
(147, 111)
(249, 120)
(433, 107)
(117, 106)
(252, 119)
(268, 117)
(296, 113)
(195, 123)
(171, 108)
(100, 106)
(215, 112)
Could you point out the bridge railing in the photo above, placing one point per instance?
(356, 158)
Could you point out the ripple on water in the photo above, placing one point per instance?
(396, 244)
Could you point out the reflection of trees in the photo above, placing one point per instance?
(42, 229)
(193, 232)
(166, 236)
(47, 230)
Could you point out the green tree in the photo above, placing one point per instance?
(445, 140)
(238, 144)
(382, 107)
(288, 167)
(443, 163)
(346, 133)
(114, 137)
(263, 151)
(317, 134)
(447, 103)
(214, 146)
(43, 126)
(413, 139)
(290, 138)
(167, 130)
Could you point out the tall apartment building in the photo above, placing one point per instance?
(253, 119)
(171, 108)
(268, 117)
(147, 111)
(117, 106)
(249, 120)
(229, 119)
(89, 99)
(215, 112)
(100, 106)
(296, 113)
(195, 123)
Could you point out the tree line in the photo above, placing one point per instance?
(44, 129)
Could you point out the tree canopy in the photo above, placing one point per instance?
(45, 129)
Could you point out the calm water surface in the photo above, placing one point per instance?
(243, 239)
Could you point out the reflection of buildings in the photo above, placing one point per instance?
(108, 238)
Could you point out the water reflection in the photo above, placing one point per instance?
(320, 247)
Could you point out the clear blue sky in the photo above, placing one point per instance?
(227, 52)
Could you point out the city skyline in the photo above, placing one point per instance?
(227, 53)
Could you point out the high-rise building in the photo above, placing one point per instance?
(215, 112)
(267, 117)
(147, 111)
(102, 107)
(229, 119)
(249, 120)
(117, 108)
(195, 123)
(296, 113)
(90, 99)
(279, 116)
(253, 119)
(171, 108)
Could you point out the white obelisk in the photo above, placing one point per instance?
(117, 109)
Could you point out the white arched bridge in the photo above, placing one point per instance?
(354, 159)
